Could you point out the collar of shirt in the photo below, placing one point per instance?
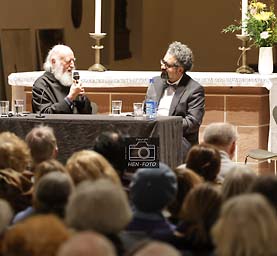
(173, 85)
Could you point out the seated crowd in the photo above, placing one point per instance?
(209, 205)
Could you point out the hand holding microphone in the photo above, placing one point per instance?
(76, 89)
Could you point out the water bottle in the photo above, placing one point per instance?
(151, 102)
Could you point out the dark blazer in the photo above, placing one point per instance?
(52, 101)
(188, 102)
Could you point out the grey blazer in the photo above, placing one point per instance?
(188, 102)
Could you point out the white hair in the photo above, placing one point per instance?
(54, 53)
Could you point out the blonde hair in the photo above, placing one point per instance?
(88, 164)
(237, 182)
(247, 226)
(14, 152)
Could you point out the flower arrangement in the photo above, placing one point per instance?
(260, 24)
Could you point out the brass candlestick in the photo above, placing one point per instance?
(97, 47)
(244, 68)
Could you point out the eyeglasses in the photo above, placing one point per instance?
(167, 65)
(69, 60)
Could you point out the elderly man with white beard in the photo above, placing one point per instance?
(56, 92)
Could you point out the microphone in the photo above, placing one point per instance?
(76, 77)
(40, 103)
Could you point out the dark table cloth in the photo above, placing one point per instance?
(76, 132)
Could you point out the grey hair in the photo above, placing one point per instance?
(182, 53)
(42, 143)
(94, 206)
(220, 134)
(54, 53)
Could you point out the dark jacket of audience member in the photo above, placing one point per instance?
(50, 195)
(151, 190)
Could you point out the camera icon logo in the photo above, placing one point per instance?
(142, 151)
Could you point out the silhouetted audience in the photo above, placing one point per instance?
(247, 226)
(237, 182)
(102, 206)
(6, 215)
(56, 189)
(15, 179)
(42, 143)
(198, 214)
(111, 145)
(224, 137)
(39, 235)
(204, 159)
(186, 180)
(151, 191)
(87, 243)
(88, 164)
(266, 186)
(47, 166)
(157, 248)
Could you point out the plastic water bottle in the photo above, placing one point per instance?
(151, 102)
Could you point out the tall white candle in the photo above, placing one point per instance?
(97, 22)
(244, 7)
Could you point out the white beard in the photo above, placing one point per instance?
(64, 78)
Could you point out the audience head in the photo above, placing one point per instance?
(87, 243)
(247, 226)
(205, 160)
(42, 143)
(6, 215)
(88, 164)
(14, 152)
(36, 236)
(199, 212)
(52, 192)
(237, 181)
(221, 135)
(60, 61)
(111, 145)
(266, 185)
(47, 166)
(152, 189)
(157, 248)
(186, 180)
(99, 205)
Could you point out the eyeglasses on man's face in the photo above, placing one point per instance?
(167, 65)
(69, 60)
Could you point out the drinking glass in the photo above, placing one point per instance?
(138, 109)
(4, 107)
(18, 107)
(116, 107)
